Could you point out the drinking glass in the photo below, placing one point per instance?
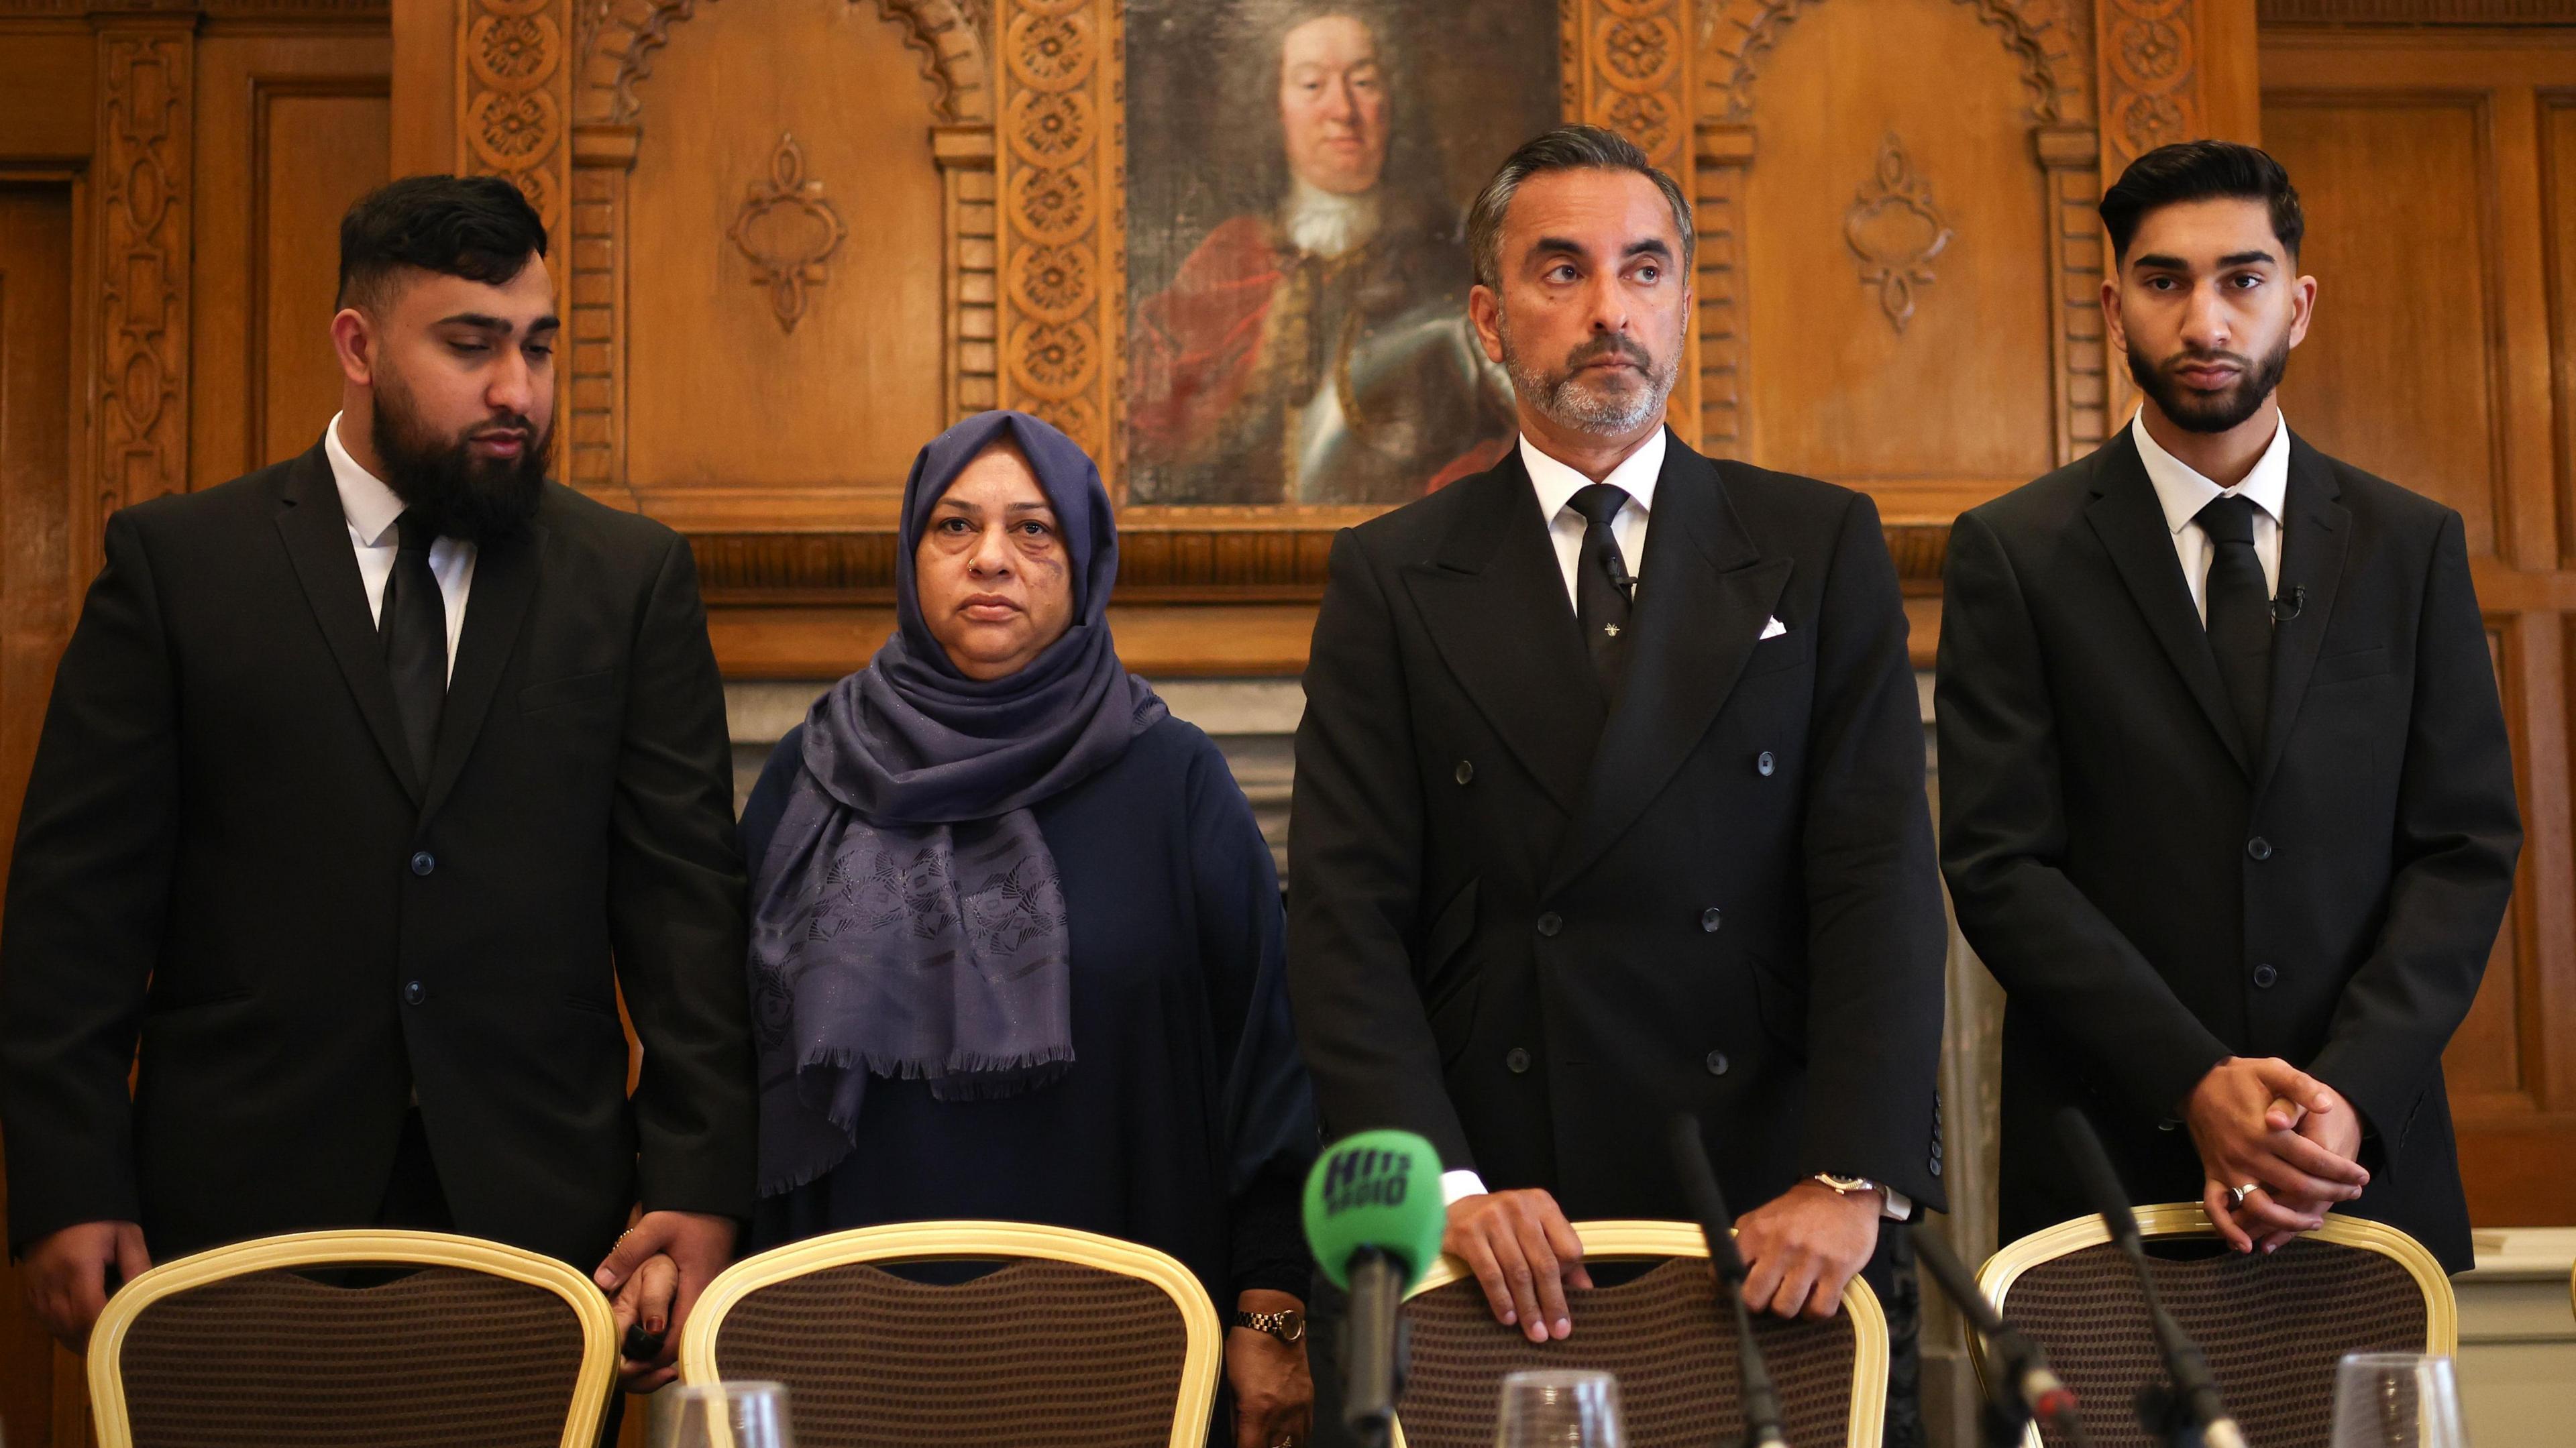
(2396, 1400)
(726, 1415)
(1557, 1408)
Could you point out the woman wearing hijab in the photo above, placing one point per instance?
(1016, 939)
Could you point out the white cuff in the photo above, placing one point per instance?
(1456, 1184)
(1894, 1205)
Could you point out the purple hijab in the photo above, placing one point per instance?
(906, 920)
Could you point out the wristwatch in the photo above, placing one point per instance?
(1843, 1186)
(1288, 1326)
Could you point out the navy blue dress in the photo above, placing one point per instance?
(1186, 1122)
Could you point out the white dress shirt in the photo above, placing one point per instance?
(371, 509)
(2184, 492)
(1556, 485)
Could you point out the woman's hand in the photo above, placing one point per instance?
(1274, 1396)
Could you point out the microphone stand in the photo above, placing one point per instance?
(2021, 1387)
(2188, 1412)
(1708, 1203)
(1375, 1339)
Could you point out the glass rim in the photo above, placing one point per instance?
(730, 1387)
(2391, 1359)
(1559, 1377)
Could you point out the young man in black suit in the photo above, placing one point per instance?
(1610, 799)
(370, 782)
(2227, 803)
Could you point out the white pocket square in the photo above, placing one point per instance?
(1772, 630)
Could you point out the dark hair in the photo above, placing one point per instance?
(2201, 171)
(476, 227)
(1567, 148)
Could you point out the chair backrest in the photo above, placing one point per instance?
(305, 1340)
(1668, 1336)
(2272, 1326)
(1075, 1339)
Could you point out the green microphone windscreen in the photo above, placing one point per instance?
(1377, 1189)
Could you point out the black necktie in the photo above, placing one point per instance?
(1601, 583)
(413, 625)
(2239, 607)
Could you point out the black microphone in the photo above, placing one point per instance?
(2193, 1410)
(1708, 1204)
(2023, 1388)
(1373, 1219)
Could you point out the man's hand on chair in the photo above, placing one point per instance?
(1802, 1247)
(66, 1275)
(1524, 1253)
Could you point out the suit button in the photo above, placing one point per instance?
(1711, 918)
(1936, 1166)
(423, 862)
(2170, 1123)
(1550, 923)
(2264, 975)
(1762, 764)
(2259, 847)
(1717, 1063)
(1516, 1060)
(414, 992)
(1466, 770)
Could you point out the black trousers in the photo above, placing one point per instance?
(1889, 1272)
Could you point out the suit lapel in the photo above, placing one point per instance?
(316, 534)
(2314, 538)
(1493, 598)
(1704, 594)
(505, 580)
(2132, 526)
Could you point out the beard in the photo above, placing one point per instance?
(2196, 411)
(475, 499)
(1582, 401)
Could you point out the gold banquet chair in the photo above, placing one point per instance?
(484, 1346)
(2272, 1326)
(1668, 1337)
(1076, 1339)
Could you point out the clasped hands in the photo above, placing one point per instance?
(2266, 1124)
(1800, 1249)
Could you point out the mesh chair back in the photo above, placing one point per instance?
(2272, 1326)
(1100, 1344)
(1669, 1338)
(421, 1356)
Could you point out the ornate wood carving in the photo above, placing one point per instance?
(2047, 37)
(2150, 92)
(616, 40)
(965, 157)
(596, 386)
(145, 74)
(1061, 258)
(1896, 231)
(512, 97)
(788, 231)
(1629, 65)
(2071, 158)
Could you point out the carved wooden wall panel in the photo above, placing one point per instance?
(1061, 259)
(290, 130)
(146, 83)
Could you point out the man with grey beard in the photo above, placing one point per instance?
(1610, 803)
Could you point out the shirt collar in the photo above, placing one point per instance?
(1557, 483)
(365, 501)
(2183, 492)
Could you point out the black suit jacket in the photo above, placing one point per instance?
(2155, 896)
(224, 852)
(1529, 928)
